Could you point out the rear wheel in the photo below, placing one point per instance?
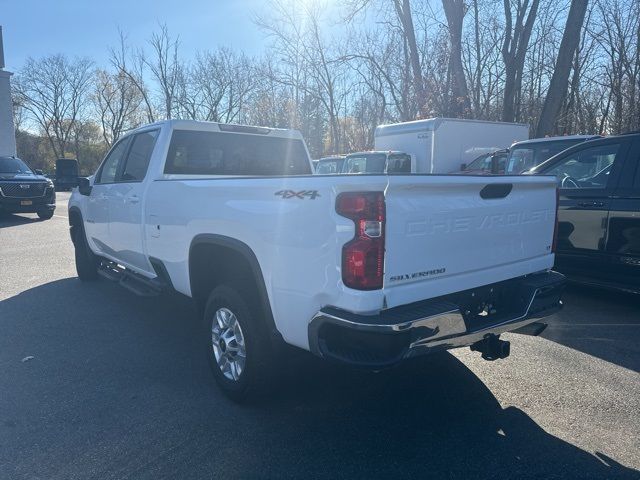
(45, 214)
(86, 260)
(238, 348)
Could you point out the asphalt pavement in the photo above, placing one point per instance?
(96, 383)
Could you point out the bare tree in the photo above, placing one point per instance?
(482, 60)
(216, 87)
(54, 91)
(403, 10)
(164, 65)
(312, 69)
(514, 49)
(560, 79)
(459, 103)
(117, 102)
(132, 66)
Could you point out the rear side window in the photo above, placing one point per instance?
(216, 153)
(139, 155)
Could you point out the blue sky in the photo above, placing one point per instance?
(88, 28)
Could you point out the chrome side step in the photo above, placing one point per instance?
(134, 282)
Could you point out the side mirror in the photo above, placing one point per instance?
(84, 186)
(463, 167)
(39, 172)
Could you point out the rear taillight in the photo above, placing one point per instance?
(554, 245)
(363, 257)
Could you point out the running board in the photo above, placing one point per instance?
(134, 282)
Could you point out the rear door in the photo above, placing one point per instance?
(623, 238)
(97, 213)
(587, 176)
(126, 203)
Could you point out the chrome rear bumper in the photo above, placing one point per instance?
(451, 321)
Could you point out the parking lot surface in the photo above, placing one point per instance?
(96, 383)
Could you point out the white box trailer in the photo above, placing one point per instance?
(443, 145)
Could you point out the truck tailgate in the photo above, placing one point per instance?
(450, 233)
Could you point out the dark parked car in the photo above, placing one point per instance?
(530, 153)
(23, 190)
(599, 215)
(66, 173)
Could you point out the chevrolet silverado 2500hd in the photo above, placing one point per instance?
(366, 269)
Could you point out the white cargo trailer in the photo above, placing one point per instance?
(443, 145)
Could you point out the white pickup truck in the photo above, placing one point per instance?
(367, 269)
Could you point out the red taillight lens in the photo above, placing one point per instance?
(363, 257)
(554, 245)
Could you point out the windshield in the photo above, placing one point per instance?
(13, 165)
(527, 156)
(365, 163)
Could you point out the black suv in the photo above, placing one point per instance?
(24, 191)
(599, 215)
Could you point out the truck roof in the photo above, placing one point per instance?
(220, 127)
(555, 139)
(431, 124)
(383, 152)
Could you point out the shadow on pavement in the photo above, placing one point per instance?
(601, 323)
(118, 387)
(10, 220)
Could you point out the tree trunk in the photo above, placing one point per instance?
(454, 11)
(403, 10)
(560, 79)
(514, 49)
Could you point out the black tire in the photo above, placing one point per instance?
(45, 214)
(86, 260)
(259, 364)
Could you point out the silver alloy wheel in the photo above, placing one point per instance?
(227, 341)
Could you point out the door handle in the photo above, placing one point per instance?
(133, 199)
(591, 204)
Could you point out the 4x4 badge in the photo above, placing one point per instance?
(302, 194)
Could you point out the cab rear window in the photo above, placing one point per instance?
(216, 153)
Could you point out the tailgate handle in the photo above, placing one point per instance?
(496, 190)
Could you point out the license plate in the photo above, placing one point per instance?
(26, 202)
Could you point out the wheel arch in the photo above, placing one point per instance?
(210, 259)
(75, 222)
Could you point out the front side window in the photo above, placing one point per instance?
(216, 153)
(528, 156)
(588, 168)
(109, 168)
(139, 155)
